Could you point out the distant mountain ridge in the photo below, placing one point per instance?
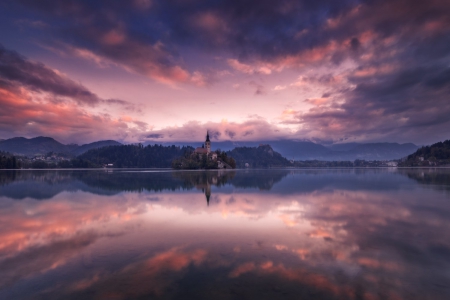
(291, 149)
(305, 150)
(41, 145)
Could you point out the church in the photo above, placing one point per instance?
(205, 149)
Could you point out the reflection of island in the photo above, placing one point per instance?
(45, 184)
(438, 178)
(204, 180)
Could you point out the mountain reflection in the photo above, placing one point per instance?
(269, 234)
(437, 178)
(42, 184)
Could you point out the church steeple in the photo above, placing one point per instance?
(208, 143)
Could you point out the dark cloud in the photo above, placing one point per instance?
(259, 89)
(155, 136)
(250, 29)
(231, 134)
(408, 102)
(399, 48)
(17, 71)
(36, 99)
(355, 44)
(36, 76)
(124, 104)
(214, 134)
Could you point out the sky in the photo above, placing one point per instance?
(154, 71)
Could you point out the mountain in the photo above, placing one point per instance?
(31, 147)
(382, 151)
(343, 147)
(305, 150)
(42, 145)
(291, 149)
(86, 147)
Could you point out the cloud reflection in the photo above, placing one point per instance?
(334, 241)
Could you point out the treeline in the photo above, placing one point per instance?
(135, 156)
(192, 161)
(8, 161)
(435, 155)
(123, 156)
(258, 157)
(328, 164)
(358, 163)
(63, 164)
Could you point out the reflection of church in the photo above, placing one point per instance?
(212, 178)
(207, 190)
(204, 180)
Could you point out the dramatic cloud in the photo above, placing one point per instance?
(17, 70)
(383, 64)
(37, 100)
(411, 102)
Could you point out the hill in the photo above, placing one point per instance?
(42, 145)
(262, 156)
(135, 156)
(435, 155)
(86, 147)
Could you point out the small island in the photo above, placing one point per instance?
(203, 158)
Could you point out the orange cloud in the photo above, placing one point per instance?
(242, 269)
(28, 113)
(260, 68)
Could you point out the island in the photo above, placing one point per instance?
(203, 158)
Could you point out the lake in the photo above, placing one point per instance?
(255, 234)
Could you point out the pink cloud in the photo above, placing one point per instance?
(250, 130)
(27, 113)
(113, 37)
(259, 68)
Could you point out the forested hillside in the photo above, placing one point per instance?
(262, 156)
(135, 156)
(435, 155)
(8, 161)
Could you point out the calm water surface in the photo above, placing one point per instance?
(269, 234)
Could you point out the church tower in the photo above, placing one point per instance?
(207, 143)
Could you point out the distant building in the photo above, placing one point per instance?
(205, 149)
(392, 164)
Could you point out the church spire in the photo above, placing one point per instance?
(207, 143)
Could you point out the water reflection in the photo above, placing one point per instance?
(313, 234)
